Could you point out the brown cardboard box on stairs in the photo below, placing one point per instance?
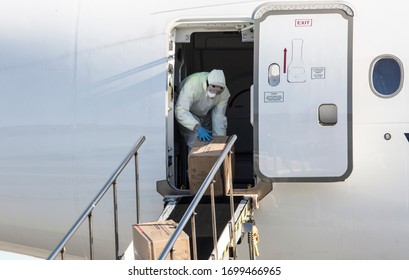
(149, 240)
(201, 159)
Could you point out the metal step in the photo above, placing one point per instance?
(176, 207)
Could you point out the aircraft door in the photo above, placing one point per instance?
(303, 92)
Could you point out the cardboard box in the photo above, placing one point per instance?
(201, 159)
(149, 240)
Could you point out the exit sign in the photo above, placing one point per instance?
(303, 22)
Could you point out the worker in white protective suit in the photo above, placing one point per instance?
(201, 106)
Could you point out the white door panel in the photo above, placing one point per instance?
(302, 94)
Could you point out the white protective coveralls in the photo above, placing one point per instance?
(195, 107)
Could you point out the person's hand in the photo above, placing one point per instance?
(204, 134)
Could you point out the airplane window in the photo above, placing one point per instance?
(386, 76)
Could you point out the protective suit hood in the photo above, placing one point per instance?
(216, 77)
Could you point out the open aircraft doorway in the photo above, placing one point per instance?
(203, 46)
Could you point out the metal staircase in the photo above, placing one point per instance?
(215, 225)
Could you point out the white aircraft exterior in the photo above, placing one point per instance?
(319, 106)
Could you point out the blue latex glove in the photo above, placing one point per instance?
(204, 134)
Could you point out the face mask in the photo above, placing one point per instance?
(211, 95)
